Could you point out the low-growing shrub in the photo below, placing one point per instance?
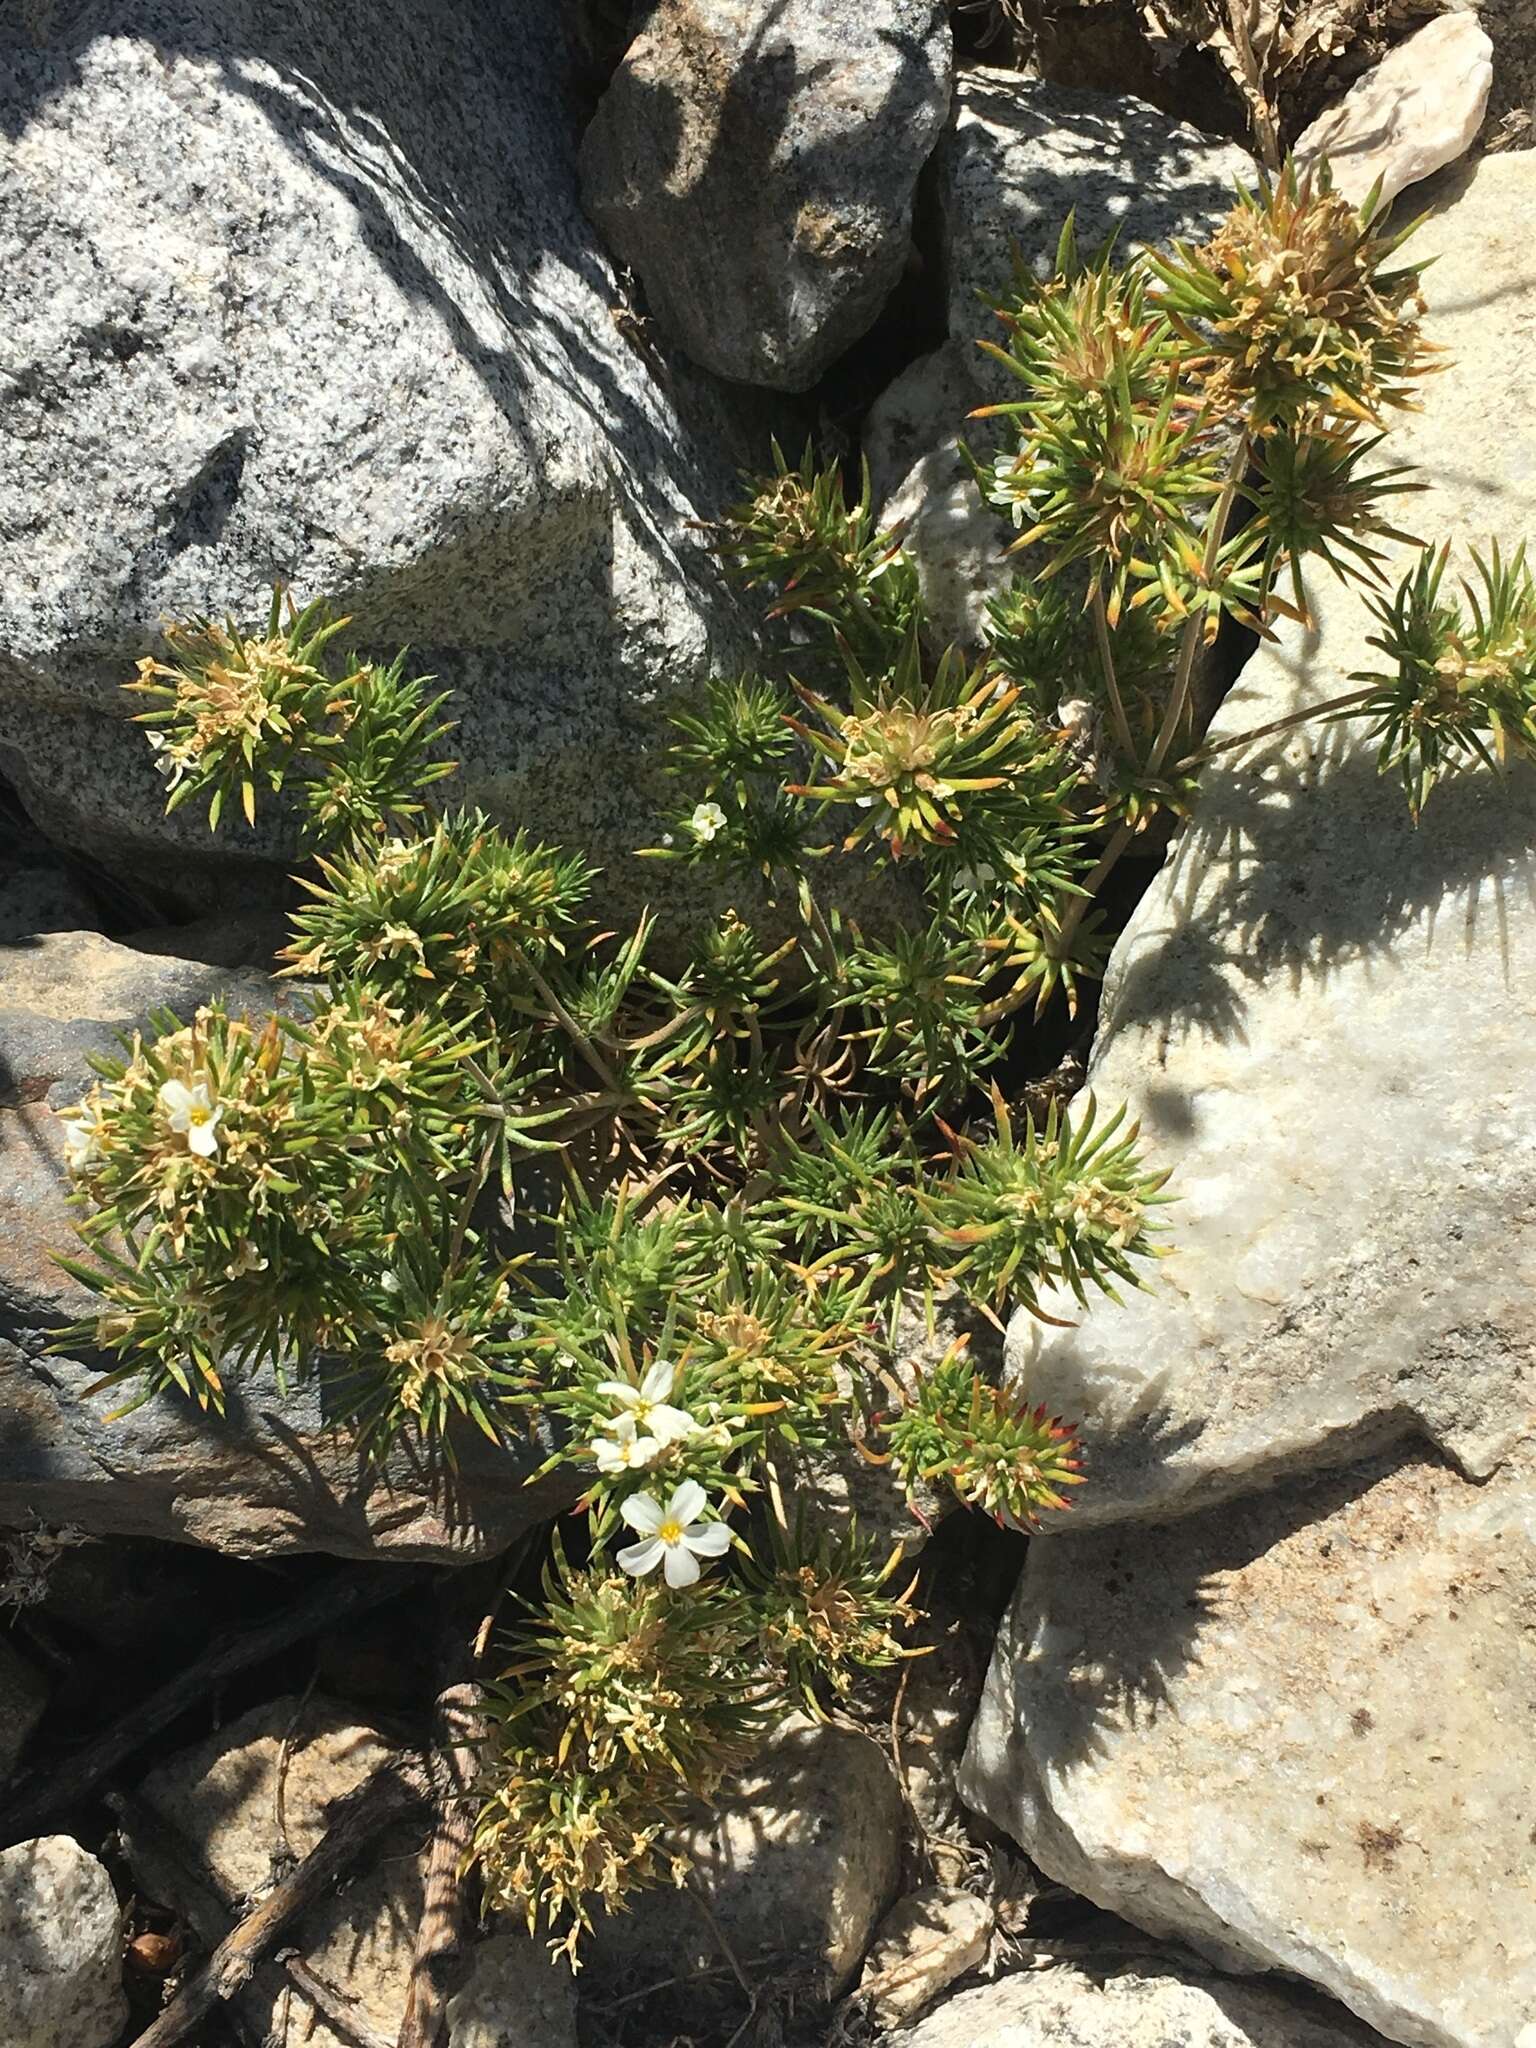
(762, 1145)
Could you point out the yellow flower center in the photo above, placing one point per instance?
(671, 1532)
(199, 1116)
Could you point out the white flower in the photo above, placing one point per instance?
(625, 1450)
(193, 1111)
(672, 1536)
(706, 821)
(645, 1407)
(82, 1139)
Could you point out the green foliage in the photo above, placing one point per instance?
(1460, 690)
(504, 1167)
(1067, 1207)
(828, 560)
(621, 1706)
(233, 711)
(985, 1442)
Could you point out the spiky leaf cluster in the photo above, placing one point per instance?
(986, 1442)
(236, 710)
(1068, 1205)
(621, 1705)
(1460, 687)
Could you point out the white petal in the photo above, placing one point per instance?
(611, 1457)
(620, 1391)
(200, 1097)
(640, 1558)
(646, 1450)
(643, 1512)
(175, 1098)
(670, 1425)
(203, 1138)
(657, 1383)
(708, 1539)
(681, 1566)
(685, 1504)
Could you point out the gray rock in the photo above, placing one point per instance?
(755, 162)
(797, 1860)
(1417, 110)
(307, 293)
(221, 1794)
(61, 1948)
(956, 539)
(1110, 2005)
(273, 1474)
(1294, 1732)
(1021, 156)
(41, 897)
(1318, 1013)
(23, 1696)
(924, 1943)
(517, 1997)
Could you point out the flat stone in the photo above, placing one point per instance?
(1295, 1732)
(927, 1940)
(61, 1949)
(339, 321)
(1319, 1014)
(797, 1858)
(1114, 2005)
(1417, 110)
(755, 161)
(274, 1473)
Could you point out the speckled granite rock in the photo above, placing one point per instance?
(1021, 155)
(1120, 2005)
(755, 162)
(272, 1475)
(797, 1860)
(1320, 1014)
(1295, 1732)
(1417, 110)
(307, 293)
(61, 1953)
(38, 896)
(518, 1996)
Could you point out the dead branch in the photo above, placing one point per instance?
(440, 1942)
(355, 1822)
(458, 1730)
(171, 1869)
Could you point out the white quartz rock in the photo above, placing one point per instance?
(1411, 114)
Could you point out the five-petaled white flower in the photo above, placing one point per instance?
(645, 1407)
(194, 1112)
(82, 1139)
(672, 1536)
(625, 1450)
(706, 821)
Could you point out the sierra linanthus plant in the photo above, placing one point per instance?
(492, 1164)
